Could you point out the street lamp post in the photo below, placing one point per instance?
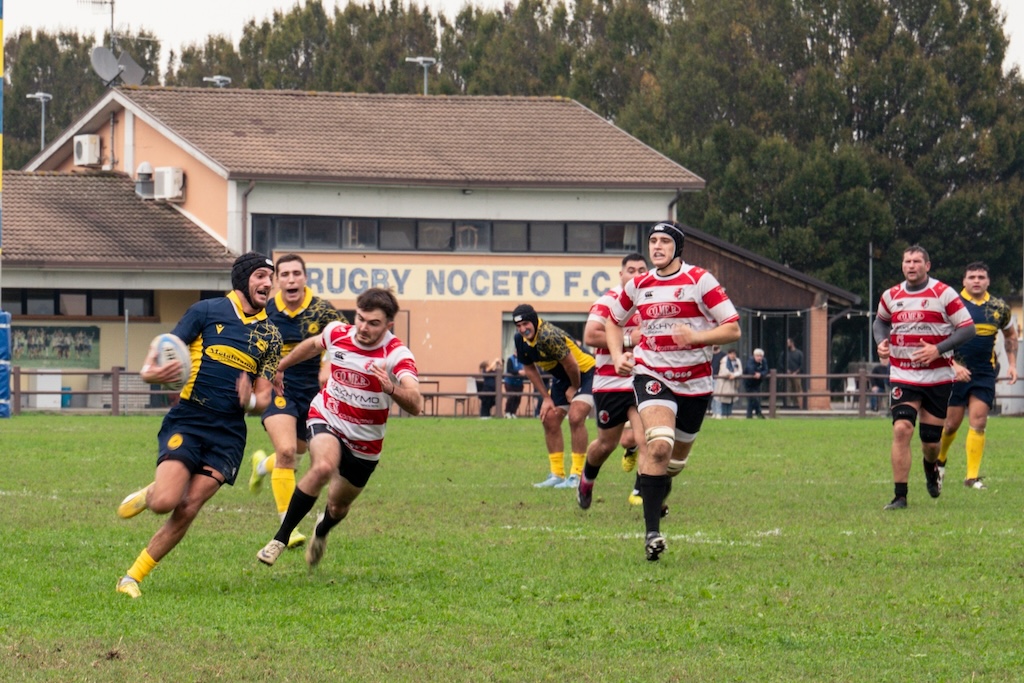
(426, 63)
(43, 98)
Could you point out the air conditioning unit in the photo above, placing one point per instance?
(168, 182)
(87, 150)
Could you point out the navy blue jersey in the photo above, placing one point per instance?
(223, 342)
(990, 316)
(307, 321)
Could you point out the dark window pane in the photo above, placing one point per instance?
(621, 237)
(509, 237)
(359, 233)
(261, 234)
(138, 304)
(287, 233)
(106, 303)
(397, 234)
(472, 236)
(321, 233)
(11, 302)
(583, 237)
(547, 237)
(434, 235)
(40, 302)
(73, 303)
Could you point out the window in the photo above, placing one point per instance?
(434, 235)
(288, 233)
(78, 304)
(331, 233)
(321, 233)
(397, 234)
(622, 237)
(73, 303)
(360, 234)
(547, 237)
(583, 237)
(510, 236)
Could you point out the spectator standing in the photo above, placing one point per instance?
(879, 383)
(513, 381)
(791, 362)
(754, 374)
(726, 385)
(487, 385)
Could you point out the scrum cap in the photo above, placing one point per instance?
(525, 312)
(675, 231)
(244, 266)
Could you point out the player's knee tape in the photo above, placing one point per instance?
(930, 433)
(666, 434)
(904, 412)
(685, 437)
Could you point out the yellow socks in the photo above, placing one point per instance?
(975, 449)
(578, 460)
(944, 444)
(144, 564)
(282, 482)
(557, 464)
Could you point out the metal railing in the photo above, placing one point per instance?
(121, 391)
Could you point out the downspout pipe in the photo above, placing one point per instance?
(246, 232)
(672, 205)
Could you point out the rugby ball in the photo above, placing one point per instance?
(170, 348)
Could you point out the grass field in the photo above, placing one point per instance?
(781, 565)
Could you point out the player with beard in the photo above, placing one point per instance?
(299, 315)
(234, 354)
(370, 368)
(683, 312)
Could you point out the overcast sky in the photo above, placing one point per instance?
(179, 22)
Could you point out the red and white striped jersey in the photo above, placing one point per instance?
(928, 316)
(352, 402)
(605, 377)
(692, 296)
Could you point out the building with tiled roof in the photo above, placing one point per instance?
(465, 206)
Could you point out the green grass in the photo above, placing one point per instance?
(781, 565)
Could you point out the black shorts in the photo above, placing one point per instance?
(355, 469)
(294, 406)
(198, 438)
(613, 407)
(982, 388)
(933, 399)
(585, 392)
(689, 410)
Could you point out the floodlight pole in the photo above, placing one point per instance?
(426, 63)
(43, 98)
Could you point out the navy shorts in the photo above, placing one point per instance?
(933, 399)
(198, 438)
(355, 469)
(294, 406)
(586, 390)
(689, 410)
(982, 388)
(613, 407)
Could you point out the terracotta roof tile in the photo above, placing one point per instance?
(95, 219)
(487, 141)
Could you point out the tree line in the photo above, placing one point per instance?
(821, 126)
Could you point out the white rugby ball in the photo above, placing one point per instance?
(170, 348)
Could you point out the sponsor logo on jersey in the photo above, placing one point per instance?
(339, 355)
(220, 328)
(174, 442)
(350, 379)
(908, 317)
(312, 329)
(354, 398)
(231, 357)
(280, 401)
(663, 310)
(897, 393)
(603, 417)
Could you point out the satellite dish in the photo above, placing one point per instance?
(105, 64)
(131, 72)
